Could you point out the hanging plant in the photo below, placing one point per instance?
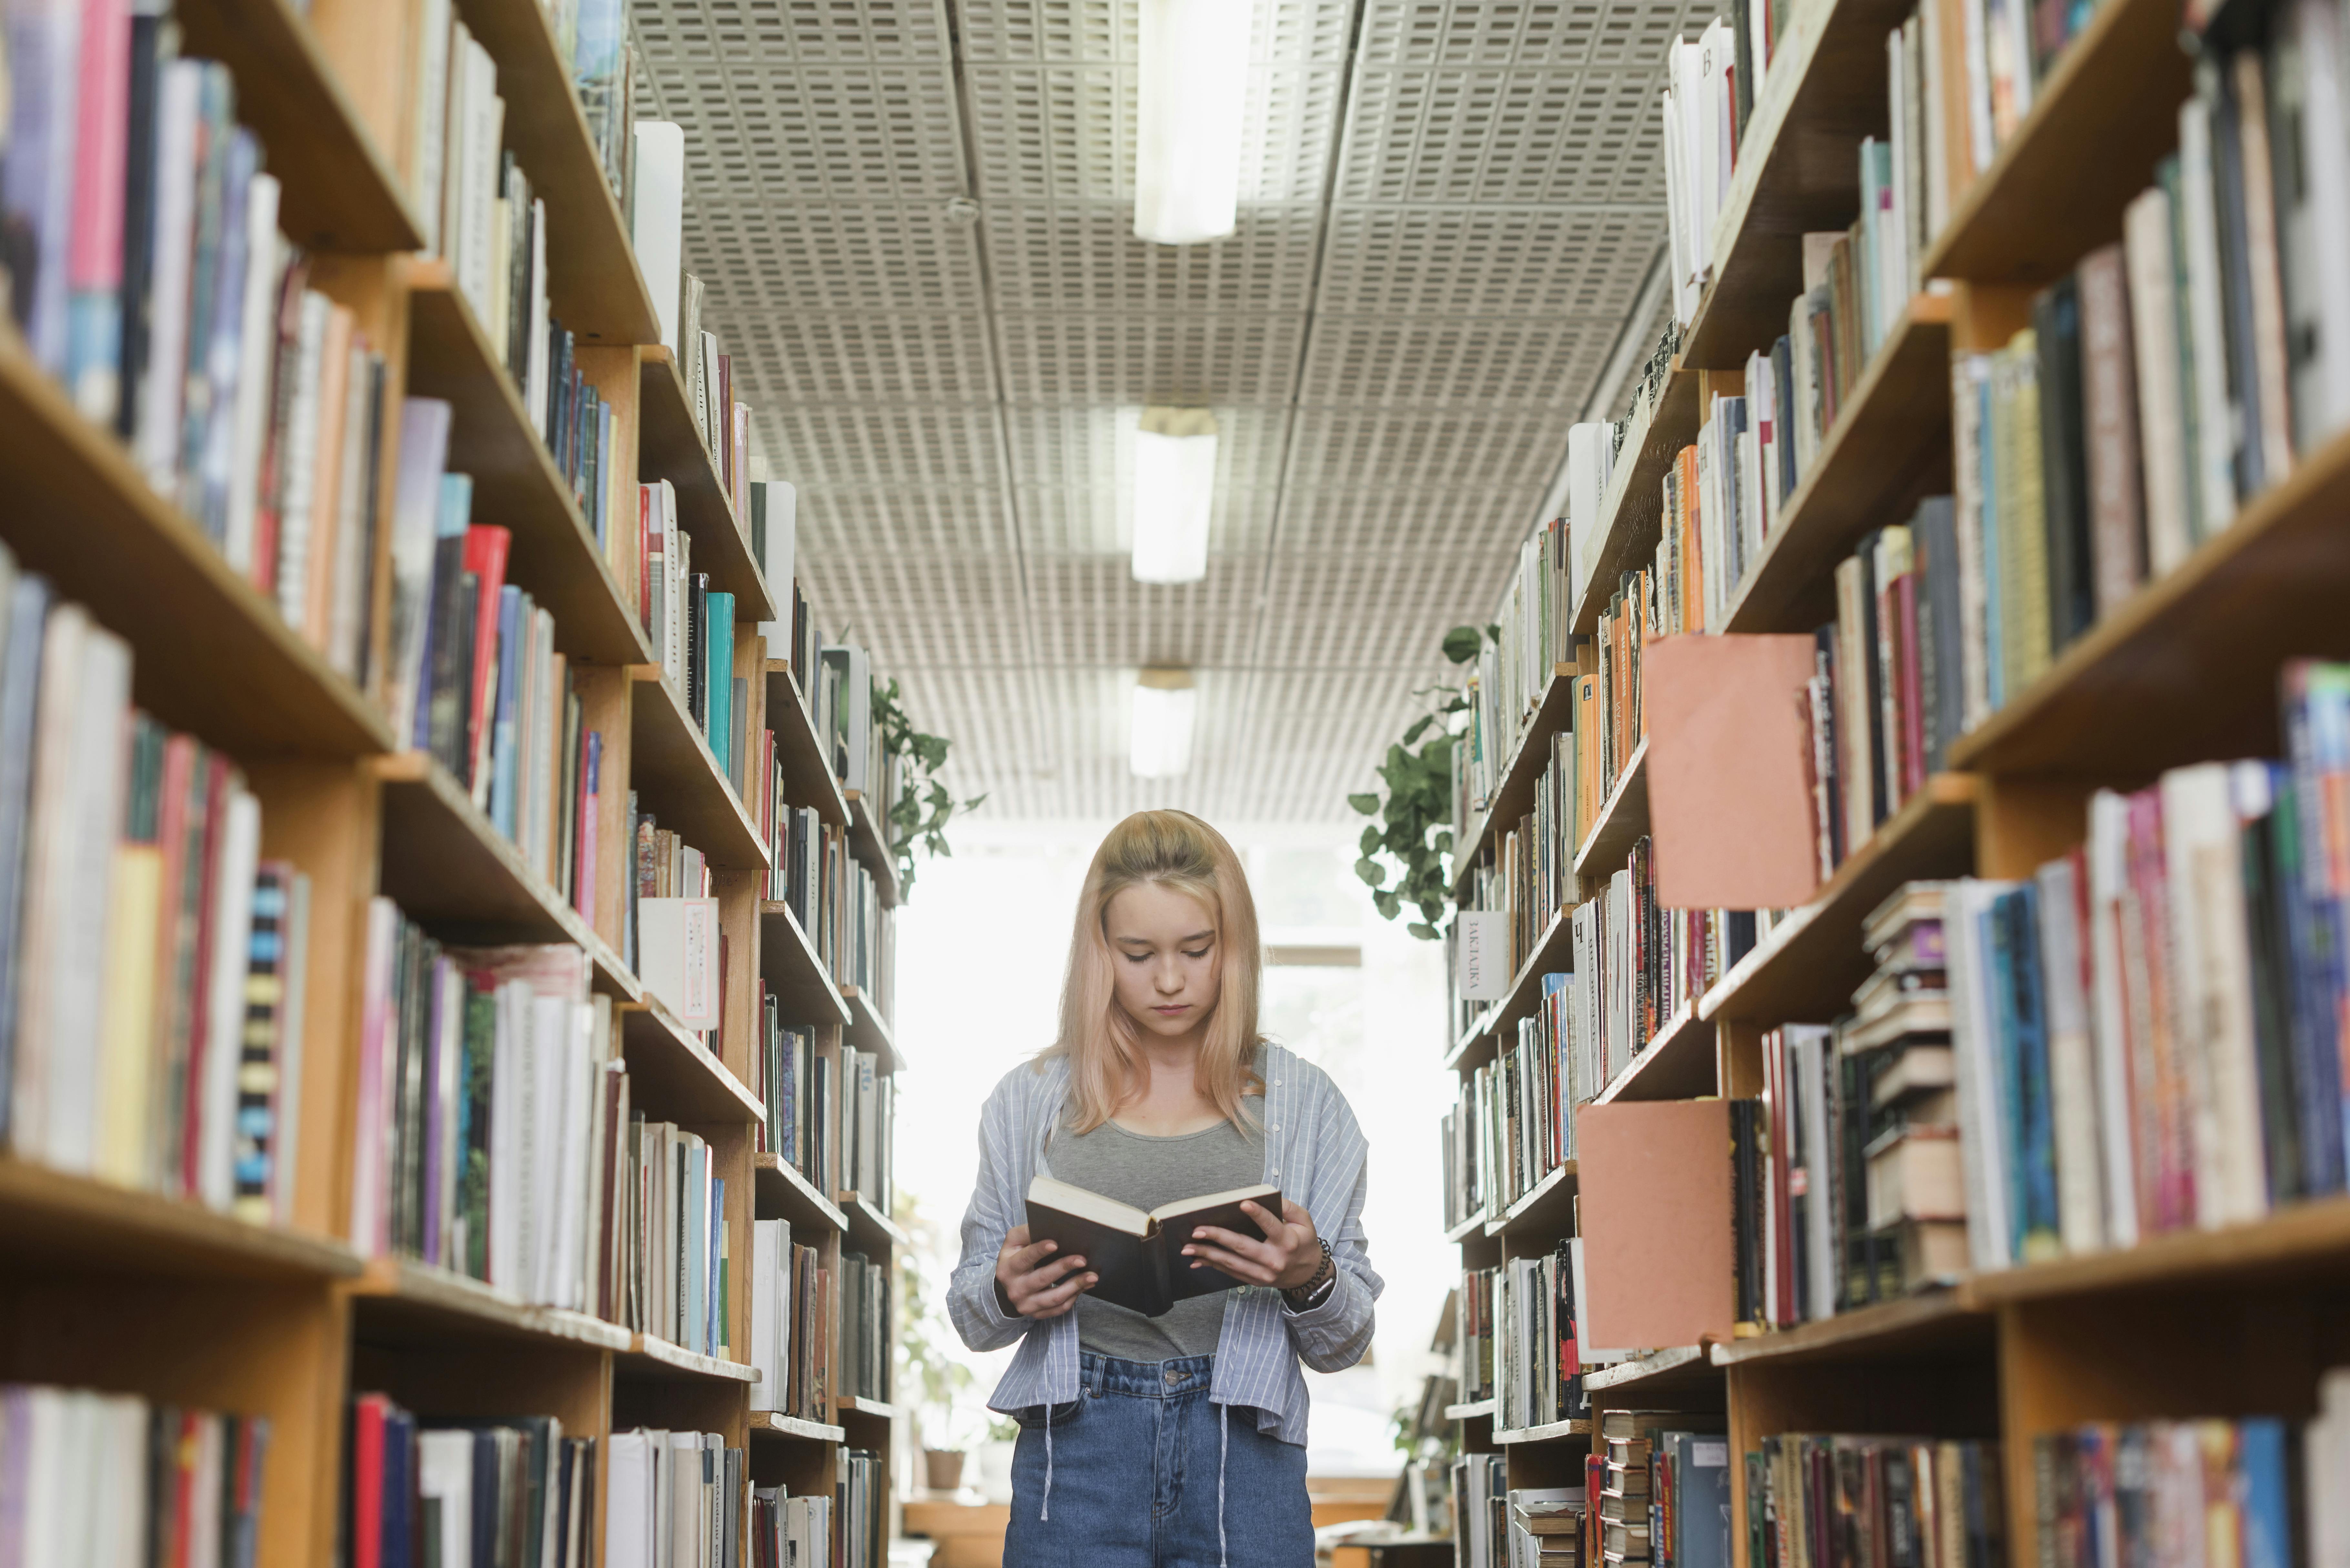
(1414, 826)
(918, 816)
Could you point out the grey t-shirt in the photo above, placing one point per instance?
(1148, 1172)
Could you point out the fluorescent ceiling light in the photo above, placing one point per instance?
(1174, 483)
(1165, 704)
(1187, 145)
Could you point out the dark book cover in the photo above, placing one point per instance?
(20, 686)
(1138, 1256)
(146, 54)
(1784, 414)
(2240, 353)
(2064, 463)
(1934, 533)
(1873, 674)
(1741, 74)
(2271, 968)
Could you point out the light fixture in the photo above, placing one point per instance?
(1187, 144)
(1174, 483)
(1165, 704)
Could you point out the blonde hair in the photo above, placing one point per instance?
(1174, 850)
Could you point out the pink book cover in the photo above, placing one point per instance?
(374, 1012)
(94, 258)
(486, 548)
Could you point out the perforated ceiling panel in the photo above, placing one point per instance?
(913, 221)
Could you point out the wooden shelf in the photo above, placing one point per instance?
(338, 191)
(1472, 1226)
(2104, 116)
(61, 1223)
(1467, 1049)
(1680, 1370)
(785, 1194)
(868, 1031)
(867, 1409)
(869, 1226)
(1553, 1432)
(401, 1300)
(1513, 787)
(1677, 1063)
(1545, 1209)
(1938, 1322)
(1813, 960)
(1635, 503)
(652, 1359)
(1797, 173)
(668, 447)
(794, 975)
(2187, 671)
(769, 1424)
(809, 778)
(677, 778)
(1890, 446)
(2305, 1240)
(865, 836)
(149, 574)
(1469, 1411)
(449, 868)
(1622, 822)
(593, 284)
(672, 1077)
(554, 556)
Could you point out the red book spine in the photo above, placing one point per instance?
(366, 1481)
(486, 548)
(1913, 694)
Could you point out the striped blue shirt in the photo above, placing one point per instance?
(1312, 1151)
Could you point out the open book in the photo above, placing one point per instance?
(1139, 1256)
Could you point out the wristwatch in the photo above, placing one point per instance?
(1316, 1290)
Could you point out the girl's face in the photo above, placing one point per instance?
(1166, 959)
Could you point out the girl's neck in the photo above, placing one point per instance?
(1169, 1102)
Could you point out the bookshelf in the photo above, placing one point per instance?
(2235, 1317)
(292, 1313)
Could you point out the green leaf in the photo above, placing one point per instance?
(1387, 904)
(1419, 728)
(1368, 805)
(1371, 842)
(1424, 932)
(1370, 872)
(1460, 644)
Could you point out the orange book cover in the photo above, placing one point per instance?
(1655, 1206)
(1729, 805)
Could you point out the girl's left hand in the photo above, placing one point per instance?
(1289, 1257)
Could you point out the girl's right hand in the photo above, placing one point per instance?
(1035, 1283)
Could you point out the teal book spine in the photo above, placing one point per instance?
(718, 657)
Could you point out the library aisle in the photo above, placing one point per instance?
(1799, 548)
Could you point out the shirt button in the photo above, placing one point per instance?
(1277, 1126)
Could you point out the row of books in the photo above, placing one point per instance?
(1885, 697)
(2174, 376)
(1660, 1485)
(1513, 1123)
(868, 1311)
(2146, 1030)
(492, 1107)
(1701, 125)
(2262, 1493)
(1638, 966)
(150, 276)
(466, 1494)
(110, 1478)
(832, 895)
(1821, 1500)
(787, 1531)
(693, 633)
(1547, 1527)
(791, 1304)
(1527, 872)
(497, 704)
(1537, 1362)
(673, 1500)
(1528, 637)
(665, 867)
(151, 959)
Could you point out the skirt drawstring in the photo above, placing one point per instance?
(1045, 1512)
(1223, 1449)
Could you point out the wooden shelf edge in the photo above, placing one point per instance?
(652, 1351)
(1551, 1432)
(1553, 706)
(863, 1214)
(1862, 1332)
(775, 909)
(462, 1299)
(1655, 1363)
(44, 1210)
(1519, 1216)
(867, 1030)
(865, 838)
(2312, 1235)
(1472, 1226)
(1634, 781)
(805, 772)
(670, 448)
(1469, 1411)
(769, 1424)
(775, 1164)
(719, 1079)
(1684, 1025)
(1667, 425)
(872, 1410)
(749, 849)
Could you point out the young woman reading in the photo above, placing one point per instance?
(1132, 1452)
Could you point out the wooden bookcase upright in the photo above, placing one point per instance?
(2235, 1321)
(110, 1288)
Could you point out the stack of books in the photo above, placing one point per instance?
(674, 1500)
(1546, 1527)
(1915, 1204)
(1927, 1503)
(113, 1477)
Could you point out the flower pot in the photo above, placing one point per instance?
(943, 1468)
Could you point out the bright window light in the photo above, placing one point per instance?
(1187, 145)
(1174, 483)
(1165, 704)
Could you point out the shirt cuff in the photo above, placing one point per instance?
(1329, 1295)
(998, 1306)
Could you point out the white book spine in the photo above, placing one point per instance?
(258, 355)
(300, 460)
(2214, 436)
(161, 386)
(101, 713)
(232, 950)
